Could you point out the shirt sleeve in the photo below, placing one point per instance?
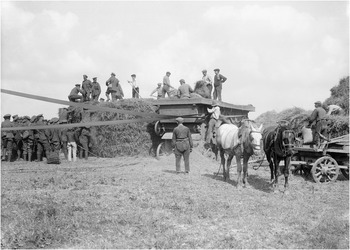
(223, 79)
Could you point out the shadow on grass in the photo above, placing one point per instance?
(172, 172)
(220, 177)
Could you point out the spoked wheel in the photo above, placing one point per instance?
(325, 169)
(162, 150)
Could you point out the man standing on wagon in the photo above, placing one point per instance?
(317, 118)
(182, 143)
(218, 81)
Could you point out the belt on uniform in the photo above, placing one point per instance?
(181, 139)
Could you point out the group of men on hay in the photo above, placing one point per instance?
(206, 87)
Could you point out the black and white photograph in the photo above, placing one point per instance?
(175, 124)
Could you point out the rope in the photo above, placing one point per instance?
(256, 168)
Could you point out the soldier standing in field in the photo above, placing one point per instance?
(84, 139)
(7, 138)
(41, 138)
(86, 86)
(54, 136)
(17, 136)
(72, 144)
(182, 143)
(218, 81)
(64, 139)
(28, 140)
(95, 89)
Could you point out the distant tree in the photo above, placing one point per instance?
(340, 95)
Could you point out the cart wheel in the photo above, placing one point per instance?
(345, 172)
(159, 129)
(325, 169)
(162, 150)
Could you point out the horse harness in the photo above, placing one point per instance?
(286, 134)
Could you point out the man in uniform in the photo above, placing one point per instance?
(135, 88)
(54, 136)
(7, 138)
(84, 139)
(184, 90)
(74, 93)
(64, 138)
(95, 89)
(182, 143)
(27, 140)
(17, 136)
(218, 81)
(214, 118)
(114, 88)
(208, 81)
(41, 136)
(86, 86)
(318, 123)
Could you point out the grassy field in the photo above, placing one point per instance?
(133, 202)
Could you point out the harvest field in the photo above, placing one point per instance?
(140, 202)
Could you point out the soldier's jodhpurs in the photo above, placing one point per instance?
(320, 127)
(84, 149)
(9, 148)
(185, 154)
(72, 151)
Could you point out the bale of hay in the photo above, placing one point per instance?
(121, 139)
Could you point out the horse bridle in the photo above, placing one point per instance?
(290, 145)
(253, 144)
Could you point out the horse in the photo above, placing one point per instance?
(278, 143)
(234, 141)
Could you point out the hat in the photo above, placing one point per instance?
(112, 74)
(33, 118)
(54, 119)
(7, 115)
(204, 70)
(217, 70)
(133, 75)
(85, 75)
(180, 119)
(77, 84)
(182, 80)
(168, 73)
(94, 78)
(15, 117)
(318, 102)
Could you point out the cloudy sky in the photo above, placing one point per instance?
(275, 54)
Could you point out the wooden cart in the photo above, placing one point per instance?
(325, 162)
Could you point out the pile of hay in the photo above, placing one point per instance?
(122, 139)
(201, 89)
(338, 125)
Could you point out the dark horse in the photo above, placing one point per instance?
(243, 141)
(278, 142)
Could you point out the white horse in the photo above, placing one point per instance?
(238, 141)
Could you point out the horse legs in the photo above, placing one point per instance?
(222, 157)
(239, 170)
(276, 163)
(286, 173)
(270, 160)
(228, 164)
(245, 169)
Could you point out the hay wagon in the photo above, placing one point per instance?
(194, 111)
(326, 161)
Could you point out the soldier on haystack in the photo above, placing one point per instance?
(7, 138)
(74, 94)
(86, 86)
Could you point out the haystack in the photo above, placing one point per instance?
(202, 89)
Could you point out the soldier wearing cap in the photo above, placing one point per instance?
(213, 121)
(27, 140)
(218, 81)
(208, 81)
(84, 139)
(318, 123)
(166, 85)
(54, 136)
(7, 138)
(18, 144)
(41, 137)
(95, 89)
(114, 88)
(74, 94)
(184, 90)
(135, 88)
(182, 143)
(86, 86)
(158, 90)
(64, 139)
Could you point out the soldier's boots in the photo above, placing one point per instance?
(38, 157)
(29, 156)
(24, 156)
(9, 156)
(18, 155)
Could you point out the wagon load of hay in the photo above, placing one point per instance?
(122, 139)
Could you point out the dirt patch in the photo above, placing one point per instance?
(140, 202)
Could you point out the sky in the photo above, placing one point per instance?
(275, 54)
